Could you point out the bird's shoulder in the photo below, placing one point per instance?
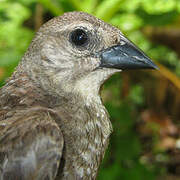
(31, 144)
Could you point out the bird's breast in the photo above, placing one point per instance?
(86, 133)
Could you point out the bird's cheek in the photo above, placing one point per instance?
(91, 63)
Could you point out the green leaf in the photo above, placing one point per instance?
(158, 6)
(136, 95)
(52, 7)
(157, 19)
(158, 52)
(140, 40)
(107, 8)
(130, 5)
(89, 5)
(9, 57)
(27, 3)
(127, 22)
(15, 12)
(14, 39)
(178, 5)
(77, 4)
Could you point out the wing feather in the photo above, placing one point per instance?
(31, 146)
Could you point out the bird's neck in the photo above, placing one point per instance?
(86, 128)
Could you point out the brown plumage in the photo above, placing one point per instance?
(53, 124)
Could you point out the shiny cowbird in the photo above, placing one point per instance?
(53, 124)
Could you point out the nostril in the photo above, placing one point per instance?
(117, 39)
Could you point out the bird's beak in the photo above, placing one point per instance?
(125, 55)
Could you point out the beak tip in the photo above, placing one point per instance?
(152, 65)
(156, 67)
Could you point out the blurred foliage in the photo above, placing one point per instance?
(143, 105)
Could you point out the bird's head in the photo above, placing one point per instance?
(78, 52)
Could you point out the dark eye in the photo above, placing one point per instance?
(79, 37)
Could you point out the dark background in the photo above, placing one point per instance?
(143, 105)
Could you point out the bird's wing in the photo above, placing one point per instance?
(31, 146)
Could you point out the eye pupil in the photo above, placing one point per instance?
(79, 37)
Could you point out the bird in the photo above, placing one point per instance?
(53, 124)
